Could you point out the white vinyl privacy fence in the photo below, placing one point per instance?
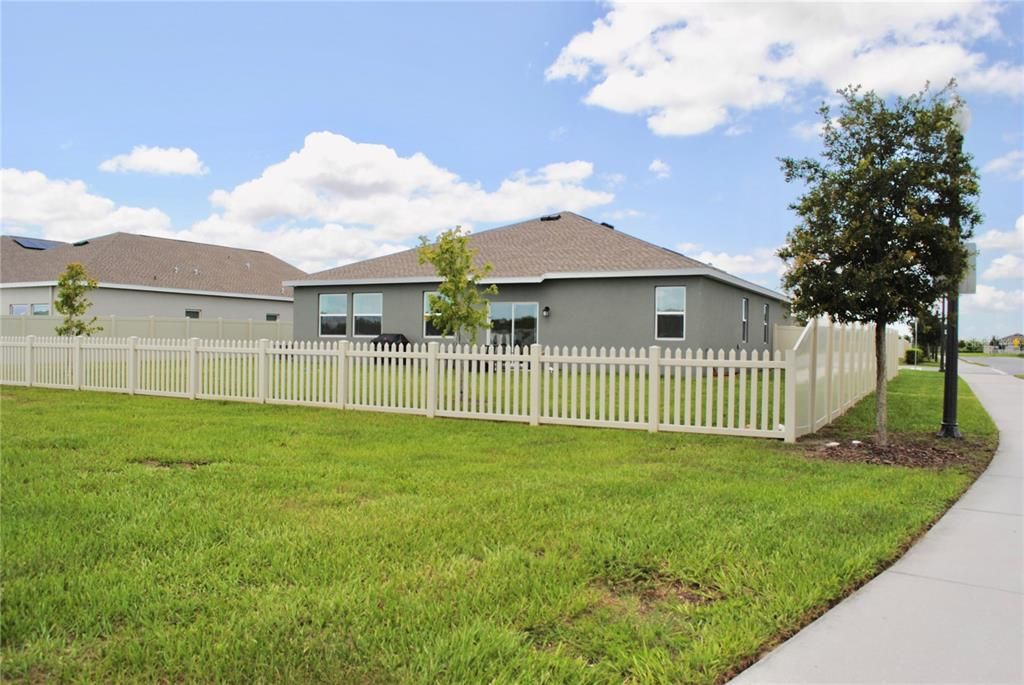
(782, 395)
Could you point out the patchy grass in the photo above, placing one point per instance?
(149, 539)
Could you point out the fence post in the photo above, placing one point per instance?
(431, 379)
(30, 366)
(829, 370)
(133, 363)
(343, 374)
(790, 396)
(76, 363)
(193, 367)
(261, 371)
(813, 384)
(536, 376)
(653, 383)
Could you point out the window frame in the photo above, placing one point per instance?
(745, 319)
(680, 314)
(274, 315)
(32, 309)
(320, 316)
(199, 313)
(513, 332)
(379, 315)
(765, 324)
(11, 308)
(426, 319)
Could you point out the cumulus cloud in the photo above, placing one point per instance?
(688, 67)
(333, 201)
(1009, 266)
(989, 298)
(1004, 240)
(738, 130)
(1011, 164)
(660, 169)
(761, 260)
(687, 248)
(66, 210)
(335, 180)
(165, 161)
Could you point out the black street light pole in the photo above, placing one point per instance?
(949, 427)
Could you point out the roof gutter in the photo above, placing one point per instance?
(707, 272)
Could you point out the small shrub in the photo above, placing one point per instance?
(913, 356)
(971, 345)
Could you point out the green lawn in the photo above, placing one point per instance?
(149, 539)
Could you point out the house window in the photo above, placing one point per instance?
(19, 309)
(40, 310)
(333, 314)
(513, 323)
(192, 313)
(764, 332)
(429, 329)
(745, 319)
(368, 309)
(272, 317)
(670, 312)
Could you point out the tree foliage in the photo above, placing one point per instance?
(885, 213)
(460, 306)
(72, 287)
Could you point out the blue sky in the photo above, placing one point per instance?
(326, 133)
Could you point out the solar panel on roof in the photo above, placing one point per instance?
(36, 243)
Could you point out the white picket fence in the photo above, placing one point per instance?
(652, 389)
(178, 327)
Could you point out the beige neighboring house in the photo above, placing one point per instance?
(143, 276)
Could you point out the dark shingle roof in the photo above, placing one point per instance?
(130, 259)
(570, 244)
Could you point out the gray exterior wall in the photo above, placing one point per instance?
(610, 312)
(107, 301)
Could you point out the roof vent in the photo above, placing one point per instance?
(608, 225)
(551, 217)
(80, 243)
(195, 271)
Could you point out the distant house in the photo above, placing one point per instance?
(142, 276)
(563, 280)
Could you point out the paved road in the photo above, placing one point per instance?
(952, 609)
(1008, 364)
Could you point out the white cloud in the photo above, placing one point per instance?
(165, 161)
(688, 67)
(614, 179)
(761, 260)
(333, 201)
(660, 169)
(1011, 164)
(686, 248)
(1004, 240)
(738, 130)
(1009, 266)
(988, 298)
(621, 214)
(335, 180)
(807, 130)
(65, 210)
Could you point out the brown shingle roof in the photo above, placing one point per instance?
(130, 259)
(570, 244)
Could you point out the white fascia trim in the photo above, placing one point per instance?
(152, 289)
(561, 275)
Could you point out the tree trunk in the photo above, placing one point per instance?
(881, 401)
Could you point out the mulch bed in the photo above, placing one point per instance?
(911, 454)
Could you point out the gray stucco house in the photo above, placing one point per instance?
(141, 276)
(562, 280)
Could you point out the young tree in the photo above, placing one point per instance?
(884, 215)
(460, 305)
(72, 287)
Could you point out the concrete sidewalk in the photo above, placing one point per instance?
(951, 610)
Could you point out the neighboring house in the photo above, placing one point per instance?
(562, 280)
(141, 276)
